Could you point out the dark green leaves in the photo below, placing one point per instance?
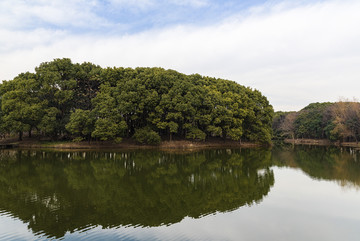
(86, 101)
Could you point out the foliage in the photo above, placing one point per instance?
(346, 121)
(147, 136)
(310, 122)
(283, 124)
(87, 101)
(81, 123)
(196, 134)
(339, 121)
(106, 129)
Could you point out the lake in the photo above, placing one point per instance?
(287, 193)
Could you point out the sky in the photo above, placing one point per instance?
(294, 51)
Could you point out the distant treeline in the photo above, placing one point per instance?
(339, 121)
(87, 102)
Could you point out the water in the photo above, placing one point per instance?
(292, 193)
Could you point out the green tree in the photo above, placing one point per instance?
(81, 123)
(146, 135)
(310, 121)
(109, 122)
(88, 81)
(21, 106)
(58, 84)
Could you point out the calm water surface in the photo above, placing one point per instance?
(291, 193)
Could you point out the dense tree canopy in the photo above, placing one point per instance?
(85, 101)
(333, 121)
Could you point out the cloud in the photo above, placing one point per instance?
(294, 54)
(97, 16)
(18, 14)
(15, 41)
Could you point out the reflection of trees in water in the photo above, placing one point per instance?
(329, 163)
(56, 192)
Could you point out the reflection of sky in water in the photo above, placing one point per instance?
(297, 208)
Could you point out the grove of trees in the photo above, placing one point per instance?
(339, 121)
(88, 102)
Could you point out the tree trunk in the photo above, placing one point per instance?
(30, 133)
(20, 135)
(224, 135)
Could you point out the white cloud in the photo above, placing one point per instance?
(21, 14)
(293, 54)
(14, 41)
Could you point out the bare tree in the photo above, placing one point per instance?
(346, 120)
(287, 126)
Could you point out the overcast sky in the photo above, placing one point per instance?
(294, 52)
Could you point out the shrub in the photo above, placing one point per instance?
(196, 134)
(147, 136)
(78, 139)
(118, 140)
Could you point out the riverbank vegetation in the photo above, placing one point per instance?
(63, 100)
(336, 122)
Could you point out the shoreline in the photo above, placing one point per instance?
(164, 145)
(321, 142)
(127, 144)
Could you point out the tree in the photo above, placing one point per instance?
(107, 129)
(22, 108)
(310, 123)
(81, 123)
(146, 135)
(58, 84)
(287, 126)
(333, 121)
(346, 120)
(109, 122)
(88, 81)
